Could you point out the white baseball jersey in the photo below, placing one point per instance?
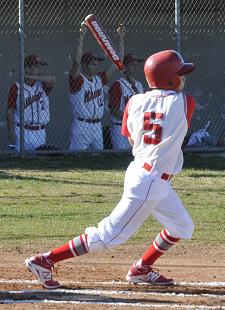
(88, 101)
(157, 121)
(120, 93)
(158, 135)
(36, 110)
(36, 113)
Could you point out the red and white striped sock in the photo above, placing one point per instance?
(162, 243)
(75, 247)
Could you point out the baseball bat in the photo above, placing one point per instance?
(93, 24)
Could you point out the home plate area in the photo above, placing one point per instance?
(113, 295)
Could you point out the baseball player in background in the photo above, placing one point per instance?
(119, 94)
(87, 97)
(155, 123)
(36, 106)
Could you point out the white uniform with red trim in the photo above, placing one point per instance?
(120, 93)
(87, 102)
(36, 116)
(157, 121)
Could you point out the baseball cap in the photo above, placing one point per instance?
(129, 58)
(89, 56)
(33, 60)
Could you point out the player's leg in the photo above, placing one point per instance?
(119, 142)
(178, 224)
(30, 140)
(115, 229)
(17, 134)
(97, 136)
(80, 136)
(115, 135)
(38, 138)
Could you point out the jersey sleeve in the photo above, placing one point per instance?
(190, 108)
(115, 95)
(103, 77)
(12, 96)
(124, 130)
(75, 84)
(46, 88)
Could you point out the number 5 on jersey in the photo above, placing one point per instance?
(151, 124)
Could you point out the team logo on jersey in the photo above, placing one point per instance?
(90, 95)
(29, 100)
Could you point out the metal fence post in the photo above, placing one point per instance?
(178, 24)
(21, 73)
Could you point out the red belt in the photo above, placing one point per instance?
(96, 120)
(164, 176)
(32, 127)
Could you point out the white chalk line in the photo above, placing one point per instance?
(35, 282)
(115, 292)
(146, 305)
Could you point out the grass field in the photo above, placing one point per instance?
(48, 200)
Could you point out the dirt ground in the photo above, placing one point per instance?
(98, 281)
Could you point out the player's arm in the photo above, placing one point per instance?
(190, 108)
(77, 54)
(131, 141)
(11, 104)
(121, 33)
(124, 130)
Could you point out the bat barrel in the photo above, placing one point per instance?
(97, 30)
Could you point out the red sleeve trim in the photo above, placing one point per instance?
(124, 130)
(75, 83)
(190, 108)
(46, 88)
(103, 76)
(115, 95)
(12, 96)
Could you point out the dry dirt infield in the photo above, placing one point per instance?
(98, 282)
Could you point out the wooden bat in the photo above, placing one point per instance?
(102, 38)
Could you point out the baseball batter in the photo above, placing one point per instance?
(36, 106)
(87, 97)
(119, 94)
(155, 123)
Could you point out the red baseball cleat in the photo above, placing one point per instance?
(146, 274)
(42, 268)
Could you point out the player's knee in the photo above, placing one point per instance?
(100, 240)
(191, 229)
(94, 240)
(187, 229)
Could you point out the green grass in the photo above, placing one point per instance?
(51, 199)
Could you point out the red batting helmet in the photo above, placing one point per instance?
(163, 69)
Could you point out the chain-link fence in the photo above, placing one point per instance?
(57, 113)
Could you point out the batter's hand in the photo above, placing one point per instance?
(83, 28)
(121, 30)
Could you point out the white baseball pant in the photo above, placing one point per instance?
(32, 138)
(144, 195)
(86, 136)
(119, 142)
